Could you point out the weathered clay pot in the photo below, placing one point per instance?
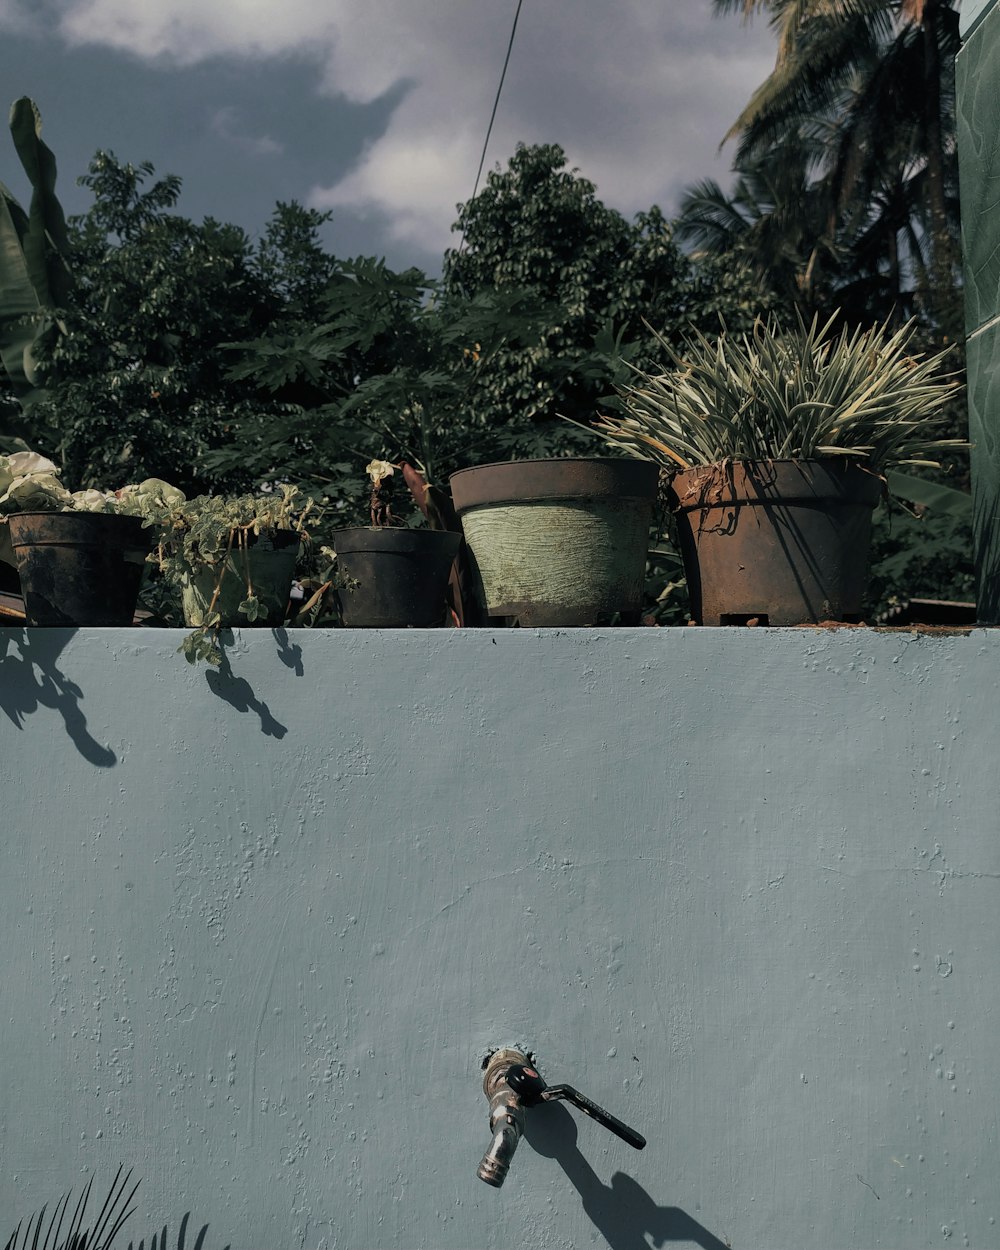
(79, 568)
(780, 542)
(558, 542)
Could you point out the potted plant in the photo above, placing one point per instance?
(79, 554)
(231, 557)
(776, 444)
(393, 577)
(558, 542)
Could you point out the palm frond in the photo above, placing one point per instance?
(37, 1234)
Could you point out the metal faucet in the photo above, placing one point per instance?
(512, 1084)
(506, 1115)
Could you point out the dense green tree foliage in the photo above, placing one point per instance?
(538, 227)
(191, 352)
(137, 380)
(546, 292)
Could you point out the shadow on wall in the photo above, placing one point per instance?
(984, 531)
(30, 678)
(237, 691)
(622, 1212)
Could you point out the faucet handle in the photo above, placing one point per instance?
(531, 1090)
(589, 1107)
(526, 1083)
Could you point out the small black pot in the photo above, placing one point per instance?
(398, 577)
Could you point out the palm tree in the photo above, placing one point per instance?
(774, 218)
(868, 87)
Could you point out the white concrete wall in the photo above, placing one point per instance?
(261, 927)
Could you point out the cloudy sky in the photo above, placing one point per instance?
(377, 109)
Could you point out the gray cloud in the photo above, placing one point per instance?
(639, 93)
(227, 124)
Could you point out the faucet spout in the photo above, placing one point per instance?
(506, 1117)
(496, 1161)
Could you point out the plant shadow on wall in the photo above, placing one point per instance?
(289, 653)
(622, 1212)
(32, 679)
(66, 1227)
(237, 691)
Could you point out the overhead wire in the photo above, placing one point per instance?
(493, 114)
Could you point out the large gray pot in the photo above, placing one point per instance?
(558, 542)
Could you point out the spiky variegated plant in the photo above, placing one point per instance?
(798, 394)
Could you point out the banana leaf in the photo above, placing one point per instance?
(34, 276)
(943, 499)
(47, 243)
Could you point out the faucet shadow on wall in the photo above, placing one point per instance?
(622, 1212)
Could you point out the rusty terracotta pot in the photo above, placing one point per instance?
(780, 542)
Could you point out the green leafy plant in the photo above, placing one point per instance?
(776, 394)
(29, 482)
(216, 532)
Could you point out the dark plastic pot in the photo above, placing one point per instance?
(268, 561)
(399, 577)
(558, 542)
(781, 542)
(79, 568)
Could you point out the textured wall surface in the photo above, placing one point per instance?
(260, 928)
(971, 14)
(977, 85)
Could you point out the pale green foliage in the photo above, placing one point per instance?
(29, 482)
(788, 394)
(193, 534)
(203, 643)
